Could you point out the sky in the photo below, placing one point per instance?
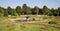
(31, 3)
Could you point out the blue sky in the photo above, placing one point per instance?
(31, 3)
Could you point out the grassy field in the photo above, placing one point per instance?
(6, 25)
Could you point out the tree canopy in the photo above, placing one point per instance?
(26, 10)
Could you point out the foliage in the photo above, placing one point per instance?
(52, 22)
(18, 10)
(26, 10)
(35, 10)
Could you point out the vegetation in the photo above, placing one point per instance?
(26, 10)
(7, 25)
(49, 23)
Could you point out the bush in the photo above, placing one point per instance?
(52, 22)
(1, 14)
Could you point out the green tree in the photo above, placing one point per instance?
(9, 9)
(45, 10)
(54, 12)
(1, 11)
(26, 9)
(5, 12)
(18, 10)
(35, 10)
(59, 11)
(51, 12)
(14, 13)
(41, 11)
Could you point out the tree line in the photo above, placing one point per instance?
(26, 10)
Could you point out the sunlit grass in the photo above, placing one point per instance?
(27, 26)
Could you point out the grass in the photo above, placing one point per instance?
(26, 26)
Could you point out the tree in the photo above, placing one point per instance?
(26, 9)
(51, 12)
(1, 11)
(5, 12)
(59, 11)
(18, 10)
(45, 10)
(40, 11)
(54, 12)
(14, 13)
(35, 10)
(9, 9)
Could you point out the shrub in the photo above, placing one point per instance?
(52, 22)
